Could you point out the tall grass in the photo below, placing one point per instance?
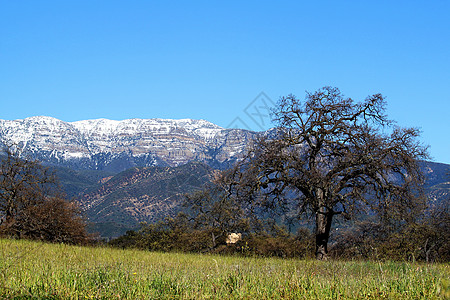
(30, 270)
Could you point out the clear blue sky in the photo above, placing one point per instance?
(76, 60)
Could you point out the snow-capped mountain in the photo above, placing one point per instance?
(103, 144)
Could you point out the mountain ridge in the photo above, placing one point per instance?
(103, 144)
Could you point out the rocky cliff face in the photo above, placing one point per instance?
(118, 145)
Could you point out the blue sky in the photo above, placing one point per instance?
(76, 60)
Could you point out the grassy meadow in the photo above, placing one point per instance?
(34, 270)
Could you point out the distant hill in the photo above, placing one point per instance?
(438, 183)
(145, 194)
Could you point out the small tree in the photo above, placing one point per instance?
(330, 156)
(32, 204)
(213, 210)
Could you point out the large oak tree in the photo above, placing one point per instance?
(331, 155)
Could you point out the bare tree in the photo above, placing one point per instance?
(32, 204)
(331, 156)
(211, 209)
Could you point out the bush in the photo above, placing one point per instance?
(424, 241)
(164, 236)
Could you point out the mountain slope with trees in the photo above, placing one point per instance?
(146, 194)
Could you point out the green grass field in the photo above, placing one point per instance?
(33, 270)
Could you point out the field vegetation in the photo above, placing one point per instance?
(36, 270)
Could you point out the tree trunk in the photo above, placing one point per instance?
(213, 240)
(323, 227)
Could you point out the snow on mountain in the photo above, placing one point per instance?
(106, 127)
(110, 144)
